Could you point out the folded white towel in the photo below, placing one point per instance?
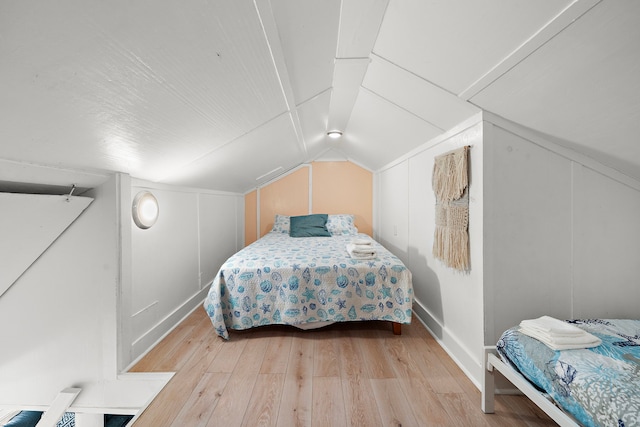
(558, 335)
(361, 251)
(564, 343)
(361, 248)
(361, 241)
(550, 325)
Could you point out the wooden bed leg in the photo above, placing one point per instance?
(397, 328)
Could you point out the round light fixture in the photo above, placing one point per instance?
(334, 134)
(145, 209)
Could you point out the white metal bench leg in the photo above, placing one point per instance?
(488, 385)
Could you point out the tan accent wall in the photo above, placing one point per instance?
(344, 188)
(337, 188)
(250, 217)
(287, 196)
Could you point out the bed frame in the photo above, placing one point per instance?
(492, 362)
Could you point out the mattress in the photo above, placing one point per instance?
(300, 281)
(599, 386)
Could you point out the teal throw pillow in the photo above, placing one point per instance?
(309, 226)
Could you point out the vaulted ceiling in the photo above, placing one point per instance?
(225, 95)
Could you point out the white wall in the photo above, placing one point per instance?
(561, 233)
(606, 246)
(55, 318)
(392, 206)
(448, 302)
(551, 232)
(173, 262)
(59, 324)
(528, 232)
(67, 320)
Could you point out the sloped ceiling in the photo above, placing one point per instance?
(226, 95)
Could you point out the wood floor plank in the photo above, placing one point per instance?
(183, 331)
(276, 357)
(198, 408)
(300, 364)
(461, 410)
(295, 406)
(158, 354)
(166, 406)
(196, 316)
(374, 356)
(424, 402)
(234, 401)
(402, 354)
(360, 403)
(265, 401)
(511, 407)
(228, 357)
(176, 358)
(304, 378)
(251, 359)
(392, 404)
(328, 407)
(352, 363)
(432, 367)
(326, 362)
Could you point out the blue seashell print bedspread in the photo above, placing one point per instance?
(291, 281)
(598, 386)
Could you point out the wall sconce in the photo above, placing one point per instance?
(334, 134)
(145, 209)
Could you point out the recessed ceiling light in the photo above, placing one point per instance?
(334, 134)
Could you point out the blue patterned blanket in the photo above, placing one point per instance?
(599, 386)
(292, 281)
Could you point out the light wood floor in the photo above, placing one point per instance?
(357, 374)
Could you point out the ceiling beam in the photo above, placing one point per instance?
(270, 29)
(348, 74)
(360, 23)
(561, 21)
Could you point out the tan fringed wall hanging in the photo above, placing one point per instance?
(450, 182)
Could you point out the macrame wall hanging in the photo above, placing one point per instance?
(450, 182)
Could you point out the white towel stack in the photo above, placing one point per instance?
(558, 335)
(361, 249)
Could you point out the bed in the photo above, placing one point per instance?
(597, 386)
(309, 281)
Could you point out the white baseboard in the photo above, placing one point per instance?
(466, 361)
(160, 330)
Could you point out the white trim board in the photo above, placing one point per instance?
(457, 351)
(151, 338)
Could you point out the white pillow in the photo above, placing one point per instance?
(281, 224)
(341, 224)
